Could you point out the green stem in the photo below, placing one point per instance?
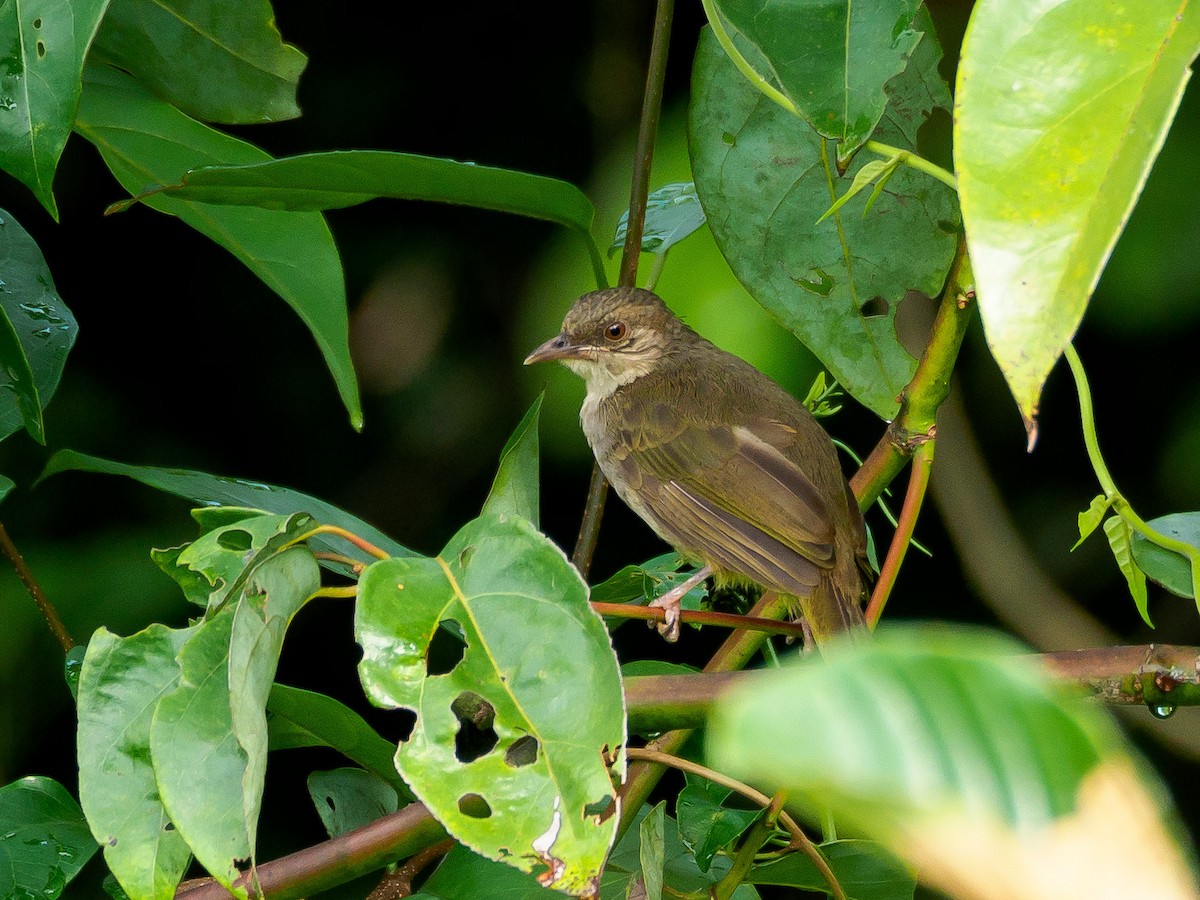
(908, 158)
(726, 41)
(597, 260)
(1119, 504)
(656, 270)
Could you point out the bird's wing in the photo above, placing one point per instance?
(697, 485)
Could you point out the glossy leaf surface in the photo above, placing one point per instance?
(145, 142)
(508, 751)
(217, 60)
(1059, 117)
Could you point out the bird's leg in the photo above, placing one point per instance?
(669, 604)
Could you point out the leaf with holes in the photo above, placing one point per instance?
(831, 58)
(964, 759)
(515, 489)
(120, 684)
(1059, 115)
(217, 565)
(510, 744)
(221, 491)
(39, 86)
(217, 60)
(349, 798)
(764, 182)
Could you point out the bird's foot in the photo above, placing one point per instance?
(669, 604)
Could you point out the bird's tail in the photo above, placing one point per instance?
(835, 607)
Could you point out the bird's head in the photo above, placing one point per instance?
(613, 336)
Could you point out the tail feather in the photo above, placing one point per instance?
(834, 608)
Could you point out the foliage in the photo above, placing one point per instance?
(939, 748)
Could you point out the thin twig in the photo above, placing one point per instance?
(355, 565)
(395, 885)
(361, 543)
(49, 613)
(589, 529)
(700, 617)
(918, 481)
(800, 840)
(338, 859)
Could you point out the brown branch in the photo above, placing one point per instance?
(700, 617)
(593, 511)
(395, 885)
(337, 860)
(49, 613)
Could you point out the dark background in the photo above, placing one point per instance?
(185, 359)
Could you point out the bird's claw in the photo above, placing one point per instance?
(669, 604)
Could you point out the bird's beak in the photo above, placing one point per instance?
(558, 347)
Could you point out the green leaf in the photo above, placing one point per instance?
(198, 764)
(1166, 567)
(515, 489)
(763, 182)
(145, 142)
(508, 748)
(672, 213)
(465, 875)
(215, 490)
(350, 798)
(1092, 516)
(120, 685)
(208, 737)
(217, 565)
(1058, 119)
(217, 60)
(877, 170)
(39, 86)
(633, 582)
(680, 872)
(948, 748)
(72, 666)
(299, 718)
(37, 331)
(651, 850)
(340, 178)
(831, 59)
(705, 825)
(864, 869)
(1120, 539)
(45, 841)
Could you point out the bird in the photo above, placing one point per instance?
(719, 460)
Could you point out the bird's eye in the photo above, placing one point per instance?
(615, 331)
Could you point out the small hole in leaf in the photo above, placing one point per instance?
(329, 802)
(522, 752)
(474, 806)
(876, 306)
(602, 809)
(446, 650)
(37, 23)
(475, 737)
(465, 555)
(169, 826)
(235, 539)
(41, 50)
